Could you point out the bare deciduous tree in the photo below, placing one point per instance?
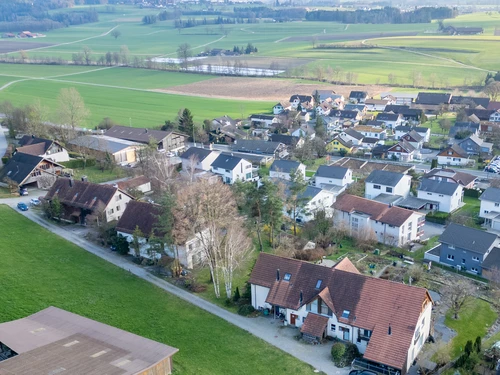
(492, 89)
(72, 110)
(456, 295)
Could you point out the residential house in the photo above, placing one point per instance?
(122, 151)
(352, 136)
(323, 109)
(400, 98)
(387, 183)
(370, 142)
(251, 146)
(45, 148)
(232, 168)
(145, 216)
(55, 341)
(450, 175)
(371, 131)
(489, 128)
(392, 225)
(466, 248)
(198, 158)
(361, 108)
(83, 202)
(495, 116)
(282, 169)
(305, 130)
(457, 102)
(141, 184)
(428, 98)
(391, 120)
(226, 132)
(410, 115)
(288, 140)
(323, 95)
(462, 128)
(169, 141)
(342, 116)
(494, 106)
(30, 170)
(441, 195)
(278, 108)
(263, 121)
(401, 130)
(377, 104)
(481, 113)
(490, 208)
(315, 199)
(413, 138)
(305, 101)
(332, 175)
(474, 145)
(341, 303)
(340, 144)
(453, 155)
(402, 151)
(374, 123)
(424, 132)
(358, 97)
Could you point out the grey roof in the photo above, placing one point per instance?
(288, 140)
(384, 177)
(430, 98)
(372, 140)
(285, 166)
(343, 113)
(331, 171)
(395, 108)
(199, 153)
(467, 238)
(358, 94)
(103, 143)
(136, 134)
(20, 166)
(353, 133)
(440, 187)
(491, 194)
(226, 162)
(54, 341)
(262, 117)
(413, 203)
(354, 107)
(387, 117)
(461, 178)
(255, 146)
(483, 102)
(310, 192)
(492, 260)
(413, 134)
(402, 128)
(388, 198)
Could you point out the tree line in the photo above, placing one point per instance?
(384, 15)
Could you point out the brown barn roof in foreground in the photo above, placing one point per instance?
(54, 339)
(391, 215)
(373, 304)
(141, 214)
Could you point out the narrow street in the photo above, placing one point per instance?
(268, 330)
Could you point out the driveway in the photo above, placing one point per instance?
(317, 356)
(432, 229)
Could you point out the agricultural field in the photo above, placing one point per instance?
(58, 273)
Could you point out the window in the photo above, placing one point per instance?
(474, 269)
(117, 208)
(429, 193)
(308, 307)
(451, 247)
(287, 276)
(450, 257)
(333, 327)
(324, 309)
(475, 259)
(376, 187)
(345, 314)
(463, 261)
(318, 284)
(409, 226)
(388, 190)
(441, 195)
(497, 204)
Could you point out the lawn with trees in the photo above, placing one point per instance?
(57, 273)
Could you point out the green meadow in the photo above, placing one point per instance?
(42, 270)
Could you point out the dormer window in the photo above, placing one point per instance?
(287, 277)
(345, 314)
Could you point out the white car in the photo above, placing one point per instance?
(35, 201)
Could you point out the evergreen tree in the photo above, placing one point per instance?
(186, 123)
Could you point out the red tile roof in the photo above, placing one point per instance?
(133, 183)
(373, 304)
(382, 212)
(314, 325)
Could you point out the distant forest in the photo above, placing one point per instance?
(384, 15)
(34, 16)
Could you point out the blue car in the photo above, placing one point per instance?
(22, 206)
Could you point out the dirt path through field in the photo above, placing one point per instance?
(259, 89)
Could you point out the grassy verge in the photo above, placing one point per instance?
(96, 175)
(469, 213)
(473, 320)
(82, 283)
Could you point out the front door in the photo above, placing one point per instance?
(346, 334)
(293, 317)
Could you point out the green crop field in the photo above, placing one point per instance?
(127, 104)
(57, 273)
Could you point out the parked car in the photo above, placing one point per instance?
(22, 206)
(23, 192)
(35, 202)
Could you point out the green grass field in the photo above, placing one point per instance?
(42, 270)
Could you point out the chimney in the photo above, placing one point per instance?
(71, 182)
(301, 298)
(389, 331)
(278, 274)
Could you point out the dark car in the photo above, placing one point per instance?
(22, 206)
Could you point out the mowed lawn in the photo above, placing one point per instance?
(125, 106)
(40, 270)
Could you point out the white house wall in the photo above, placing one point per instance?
(450, 160)
(446, 203)
(402, 188)
(116, 206)
(259, 296)
(424, 324)
(487, 207)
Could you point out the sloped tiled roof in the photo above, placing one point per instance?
(491, 194)
(384, 177)
(468, 238)
(461, 178)
(141, 214)
(456, 150)
(439, 187)
(432, 98)
(37, 149)
(384, 213)
(314, 325)
(226, 162)
(199, 153)
(133, 183)
(331, 171)
(20, 166)
(136, 134)
(285, 166)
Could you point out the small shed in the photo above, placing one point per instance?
(314, 328)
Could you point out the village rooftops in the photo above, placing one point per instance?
(377, 211)
(372, 303)
(388, 116)
(429, 98)
(288, 140)
(461, 178)
(20, 166)
(358, 95)
(103, 143)
(256, 146)
(137, 134)
(385, 178)
(466, 100)
(54, 341)
(133, 183)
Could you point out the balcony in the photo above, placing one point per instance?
(420, 223)
(362, 364)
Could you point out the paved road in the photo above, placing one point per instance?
(317, 356)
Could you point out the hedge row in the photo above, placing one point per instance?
(79, 163)
(437, 217)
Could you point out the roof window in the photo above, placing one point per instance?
(318, 284)
(345, 314)
(287, 276)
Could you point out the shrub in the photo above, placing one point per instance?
(472, 193)
(310, 255)
(437, 217)
(236, 296)
(245, 310)
(351, 353)
(338, 352)
(5, 159)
